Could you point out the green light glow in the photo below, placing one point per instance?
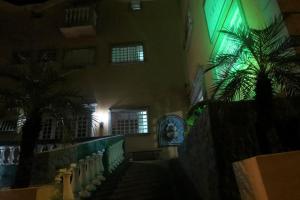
(213, 10)
(233, 21)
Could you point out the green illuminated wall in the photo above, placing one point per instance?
(233, 21)
(210, 16)
(213, 10)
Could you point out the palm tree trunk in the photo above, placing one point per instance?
(30, 133)
(263, 100)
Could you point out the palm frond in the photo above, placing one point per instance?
(287, 77)
(235, 85)
(259, 51)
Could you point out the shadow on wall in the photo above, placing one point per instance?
(225, 133)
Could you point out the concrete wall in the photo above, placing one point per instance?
(157, 84)
(273, 176)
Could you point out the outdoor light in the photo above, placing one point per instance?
(101, 116)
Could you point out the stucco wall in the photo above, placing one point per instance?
(157, 84)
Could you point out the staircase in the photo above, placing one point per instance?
(139, 180)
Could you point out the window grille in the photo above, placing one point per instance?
(59, 130)
(83, 126)
(126, 122)
(127, 54)
(8, 125)
(47, 129)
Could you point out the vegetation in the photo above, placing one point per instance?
(35, 89)
(262, 64)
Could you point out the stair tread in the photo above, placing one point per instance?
(137, 181)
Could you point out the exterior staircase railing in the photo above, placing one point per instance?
(81, 178)
(100, 156)
(9, 155)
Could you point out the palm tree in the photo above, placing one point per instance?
(262, 63)
(35, 88)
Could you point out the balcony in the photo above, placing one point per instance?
(79, 22)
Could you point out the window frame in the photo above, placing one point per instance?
(126, 45)
(136, 109)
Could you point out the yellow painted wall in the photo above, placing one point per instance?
(158, 83)
(45, 192)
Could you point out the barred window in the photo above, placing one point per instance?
(47, 129)
(59, 130)
(127, 54)
(126, 122)
(83, 126)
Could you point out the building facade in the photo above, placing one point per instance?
(142, 60)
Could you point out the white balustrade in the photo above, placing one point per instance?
(9, 155)
(81, 178)
(89, 174)
(96, 165)
(75, 182)
(115, 155)
(2, 155)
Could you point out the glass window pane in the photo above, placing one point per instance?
(131, 53)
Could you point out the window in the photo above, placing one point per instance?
(127, 54)
(59, 130)
(83, 126)
(47, 129)
(135, 5)
(198, 87)
(127, 122)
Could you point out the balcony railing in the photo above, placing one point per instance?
(79, 22)
(80, 16)
(9, 155)
(95, 158)
(8, 126)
